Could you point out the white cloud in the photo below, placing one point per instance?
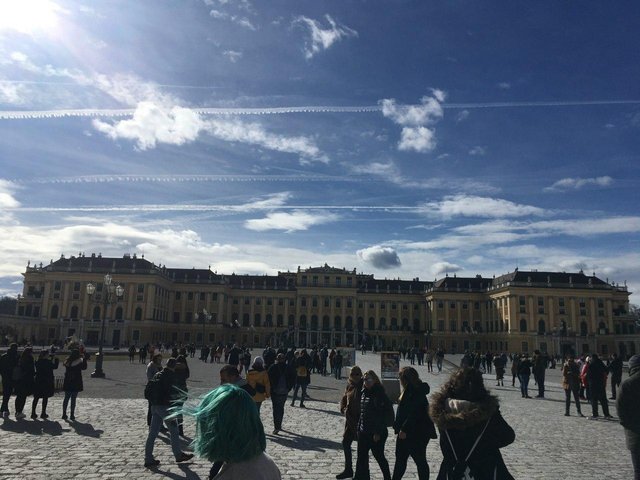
(290, 222)
(577, 183)
(462, 116)
(232, 55)
(414, 120)
(440, 268)
(504, 85)
(237, 19)
(152, 124)
(475, 206)
(323, 38)
(380, 256)
(7, 190)
(12, 93)
(478, 151)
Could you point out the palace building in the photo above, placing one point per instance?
(555, 312)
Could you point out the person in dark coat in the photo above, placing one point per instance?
(571, 384)
(281, 377)
(303, 377)
(350, 408)
(44, 383)
(24, 381)
(629, 413)
(597, 378)
(181, 374)
(74, 364)
(524, 373)
(412, 425)
(8, 361)
(464, 411)
(615, 368)
(372, 429)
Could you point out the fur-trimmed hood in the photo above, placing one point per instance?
(453, 413)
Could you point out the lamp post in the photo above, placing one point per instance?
(111, 294)
(206, 318)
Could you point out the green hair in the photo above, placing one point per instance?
(228, 426)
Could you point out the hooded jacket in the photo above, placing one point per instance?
(350, 407)
(464, 421)
(412, 416)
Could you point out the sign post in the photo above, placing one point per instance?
(389, 371)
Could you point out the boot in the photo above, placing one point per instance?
(346, 473)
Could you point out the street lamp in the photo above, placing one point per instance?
(111, 294)
(206, 318)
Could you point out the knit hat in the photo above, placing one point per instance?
(634, 362)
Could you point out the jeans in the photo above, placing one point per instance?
(418, 451)
(295, 393)
(277, 401)
(439, 364)
(69, 396)
(524, 384)
(158, 415)
(366, 443)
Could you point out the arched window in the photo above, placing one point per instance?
(349, 323)
(383, 323)
(372, 323)
(394, 323)
(291, 320)
(138, 314)
(96, 313)
(54, 311)
(523, 325)
(314, 322)
(405, 324)
(602, 328)
(245, 319)
(337, 323)
(269, 320)
(303, 322)
(360, 324)
(279, 320)
(257, 320)
(583, 329)
(119, 313)
(541, 327)
(74, 311)
(326, 323)
(416, 324)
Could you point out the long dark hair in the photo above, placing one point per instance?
(466, 384)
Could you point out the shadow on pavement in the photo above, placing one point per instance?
(330, 412)
(33, 428)
(188, 473)
(315, 387)
(304, 442)
(85, 429)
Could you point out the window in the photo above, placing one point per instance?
(96, 313)
(177, 295)
(349, 281)
(119, 313)
(235, 301)
(141, 288)
(465, 306)
(338, 281)
(292, 302)
(453, 326)
(54, 312)
(541, 327)
(314, 281)
(189, 317)
(304, 281)
(476, 305)
(214, 297)
(338, 303)
(372, 323)
(76, 286)
(74, 312)
(303, 301)
(279, 320)
(441, 325)
(246, 301)
(371, 305)
(281, 302)
(452, 305)
(138, 314)
(440, 304)
(303, 322)
(269, 301)
(405, 306)
(176, 317)
(257, 320)
(314, 302)
(202, 296)
(337, 323)
(523, 325)
(57, 286)
(190, 296)
(245, 320)
(583, 329)
(393, 306)
(349, 303)
(326, 281)
(383, 306)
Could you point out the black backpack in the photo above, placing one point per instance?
(153, 390)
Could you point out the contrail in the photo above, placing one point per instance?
(192, 178)
(215, 208)
(213, 111)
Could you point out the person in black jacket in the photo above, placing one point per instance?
(372, 429)
(597, 378)
(281, 377)
(168, 393)
(524, 373)
(24, 381)
(615, 368)
(629, 413)
(8, 361)
(44, 383)
(467, 415)
(412, 424)
(74, 364)
(350, 408)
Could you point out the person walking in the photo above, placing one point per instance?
(597, 380)
(498, 362)
(540, 363)
(524, 373)
(615, 368)
(350, 408)
(627, 406)
(430, 361)
(72, 385)
(439, 359)
(372, 428)
(154, 366)
(338, 365)
(165, 393)
(281, 380)
(24, 380)
(515, 365)
(44, 384)
(8, 364)
(412, 425)
(182, 374)
(472, 430)
(303, 377)
(258, 378)
(571, 384)
(132, 353)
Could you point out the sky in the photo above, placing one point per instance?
(401, 138)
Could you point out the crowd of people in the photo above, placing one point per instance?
(230, 434)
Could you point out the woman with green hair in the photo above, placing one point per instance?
(229, 430)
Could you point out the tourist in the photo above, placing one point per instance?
(281, 380)
(8, 362)
(571, 384)
(430, 361)
(372, 427)
(627, 405)
(132, 353)
(154, 366)
(229, 375)
(302, 366)
(515, 365)
(439, 359)
(597, 379)
(540, 362)
(615, 367)
(350, 408)
(24, 380)
(412, 424)
(229, 433)
(472, 430)
(524, 373)
(499, 363)
(44, 384)
(258, 378)
(72, 385)
(338, 365)
(163, 398)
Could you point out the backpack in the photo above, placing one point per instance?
(153, 390)
(461, 469)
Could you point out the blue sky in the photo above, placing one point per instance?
(402, 138)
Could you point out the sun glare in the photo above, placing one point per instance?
(28, 16)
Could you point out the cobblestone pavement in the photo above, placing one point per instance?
(107, 439)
